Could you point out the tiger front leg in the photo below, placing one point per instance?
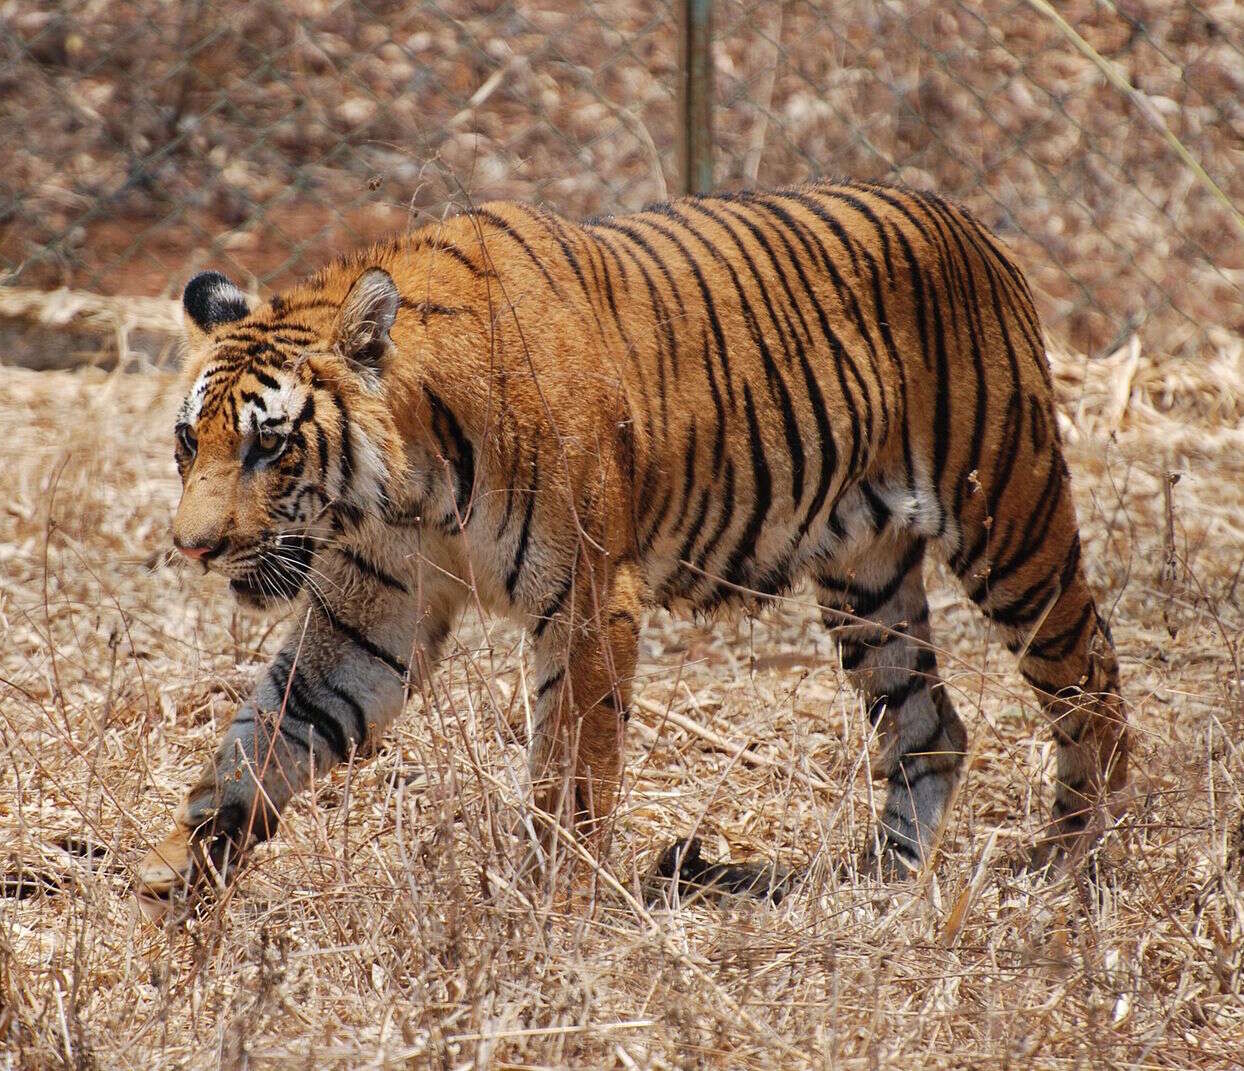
(585, 664)
(339, 679)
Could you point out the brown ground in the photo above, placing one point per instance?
(374, 931)
(141, 140)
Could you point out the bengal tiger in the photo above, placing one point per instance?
(695, 406)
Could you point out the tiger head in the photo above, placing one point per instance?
(284, 442)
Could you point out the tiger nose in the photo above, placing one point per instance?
(200, 552)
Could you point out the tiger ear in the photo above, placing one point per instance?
(367, 316)
(211, 300)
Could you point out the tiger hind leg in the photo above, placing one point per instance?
(1026, 576)
(878, 613)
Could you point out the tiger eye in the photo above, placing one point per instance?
(269, 441)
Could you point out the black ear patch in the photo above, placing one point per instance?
(211, 300)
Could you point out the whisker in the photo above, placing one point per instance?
(304, 569)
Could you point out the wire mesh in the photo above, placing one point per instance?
(994, 105)
(143, 140)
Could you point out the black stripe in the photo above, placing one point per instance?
(876, 506)
(863, 208)
(777, 382)
(463, 460)
(429, 308)
(372, 570)
(663, 317)
(688, 484)
(710, 307)
(321, 442)
(942, 398)
(559, 237)
(511, 485)
(1059, 732)
(288, 733)
(457, 254)
(624, 615)
(867, 601)
(903, 777)
(513, 235)
(1026, 607)
(846, 297)
(554, 606)
(851, 654)
(890, 844)
(924, 750)
(265, 379)
(724, 517)
(281, 307)
(976, 334)
(762, 495)
(1009, 442)
(846, 293)
(658, 518)
(684, 552)
(347, 446)
(1072, 820)
(831, 221)
(667, 347)
(1054, 648)
(1036, 528)
(549, 684)
(356, 710)
(647, 247)
(841, 359)
(295, 334)
(995, 255)
(719, 427)
(299, 705)
(364, 644)
(816, 399)
(520, 553)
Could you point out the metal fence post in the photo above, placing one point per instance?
(695, 95)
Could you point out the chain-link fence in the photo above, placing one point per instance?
(142, 140)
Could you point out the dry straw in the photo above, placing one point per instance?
(379, 929)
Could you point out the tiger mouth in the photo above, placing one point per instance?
(278, 574)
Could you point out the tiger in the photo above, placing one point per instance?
(567, 424)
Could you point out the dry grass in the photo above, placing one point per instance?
(374, 932)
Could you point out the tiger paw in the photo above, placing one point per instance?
(165, 875)
(195, 855)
